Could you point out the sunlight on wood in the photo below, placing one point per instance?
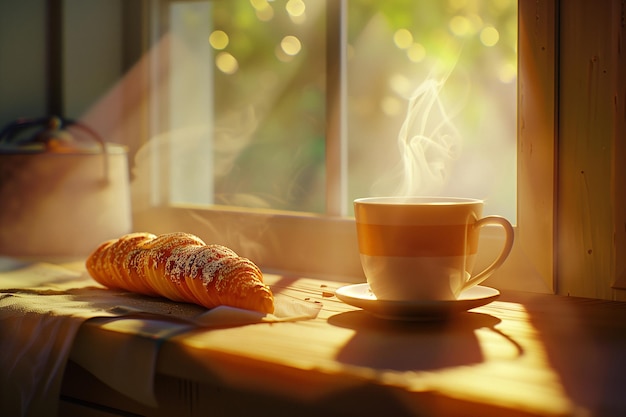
(474, 359)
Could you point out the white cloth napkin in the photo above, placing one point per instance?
(42, 307)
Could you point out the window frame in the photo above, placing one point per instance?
(325, 245)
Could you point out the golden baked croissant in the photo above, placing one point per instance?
(181, 267)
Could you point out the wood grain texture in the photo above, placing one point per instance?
(537, 129)
(591, 244)
(619, 149)
(522, 355)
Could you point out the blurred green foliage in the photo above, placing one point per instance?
(283, 164)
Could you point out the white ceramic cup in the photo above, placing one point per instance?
(423, 248)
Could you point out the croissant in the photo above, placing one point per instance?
(181, 267)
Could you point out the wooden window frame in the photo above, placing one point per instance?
(325, 245)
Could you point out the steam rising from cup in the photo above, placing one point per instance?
(428, 142)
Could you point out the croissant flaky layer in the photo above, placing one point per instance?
(181, 267)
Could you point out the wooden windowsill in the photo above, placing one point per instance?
(522, 355)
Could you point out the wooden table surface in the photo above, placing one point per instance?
(522, 355)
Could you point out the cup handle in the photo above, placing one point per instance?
(508, 245)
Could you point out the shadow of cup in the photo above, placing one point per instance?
(414, 346)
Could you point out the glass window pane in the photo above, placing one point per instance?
(432, 99)
(264, 125)
(270, 91)
(267, 66)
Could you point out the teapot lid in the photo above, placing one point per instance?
(49, 134)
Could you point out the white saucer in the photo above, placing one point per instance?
(359, 295)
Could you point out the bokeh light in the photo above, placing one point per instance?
(403, 38)
(400, 84)
(416, 52)
(260, 4)
(291, 45)
(507, 73)
(460, 26)
(226, 63)
(295, 8)
(264, 10)
(489, 36)
(218, 39)
(391, 106)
